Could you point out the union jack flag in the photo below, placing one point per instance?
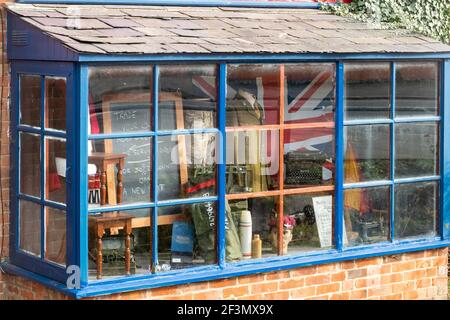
(309, 98)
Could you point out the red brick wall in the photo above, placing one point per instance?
(4, 148)
(418, 275)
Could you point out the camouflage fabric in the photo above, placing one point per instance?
(202, 184)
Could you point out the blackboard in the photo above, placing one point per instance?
(125, 113)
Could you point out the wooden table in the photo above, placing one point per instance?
(109, 220)
(103, 161)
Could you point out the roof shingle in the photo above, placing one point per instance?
(119, 29)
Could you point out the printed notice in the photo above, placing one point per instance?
(323, 210)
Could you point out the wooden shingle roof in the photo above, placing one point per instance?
(117, 29)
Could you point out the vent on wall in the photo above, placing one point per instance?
(19, 38)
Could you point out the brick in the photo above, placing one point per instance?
(338, 276)
(403, 266)
(208, 295)
(318, 279)
(234, 292)
(423, 283)
(358, 294)
(278, 275)
(223, 283)
(379, 291)
(328, 288)
(290, 284)
(303, 292)
(340, 296)
(367, 262)
(281, 295)
(397, 296)
(410, 295)
(391, 278)
(264, 287)
(356, 273)
(251, 279)
(304, 271)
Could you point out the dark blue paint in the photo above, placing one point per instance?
(392, 152)
(339, 162)
(125, 284)
(39, 47)
(259, 57)
(154, 218)
(445, 150)
(221, 172)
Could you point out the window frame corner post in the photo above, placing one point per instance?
(154, 217)
(221, 172)
(444, 221)
(392, 93)
(80, 187)
(14, 142)
(339, 166)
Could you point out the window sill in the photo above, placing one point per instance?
(126, 284)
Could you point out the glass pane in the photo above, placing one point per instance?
(416, 149)
(252, 161)
(55, 103)
(416, 208)
(30, 227)
(186, 166)
(310, 93)
(55, 235)
(308, 222)
(187, 236)
(367, 153)
(367, 87)
(251, 228)
(187, 97)
(55, 169)
(253, 95)
(416, 91)
(366, 215)
(30, 164)
(120, 99)
(308, 157)
(30, 100)
(113, 244)
(107, 159)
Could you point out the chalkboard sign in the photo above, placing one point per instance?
(125, 113)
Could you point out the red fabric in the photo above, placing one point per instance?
(53, 182)
(202, 185)
(93, 118)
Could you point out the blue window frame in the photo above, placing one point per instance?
(78, 138)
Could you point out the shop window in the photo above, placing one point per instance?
(42, 167)
(280, 159)
(396, 155)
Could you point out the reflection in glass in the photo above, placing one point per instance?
(416, 209)
(120, 99)
(367, 87)
(246, 219)
(30, 100)
(253, 95)
(308, 157)
(416, 149)
(55, 169)
(30, 164)
(30, 227)
(119, 171)
(308, 222)
(252, 161)
(55, 103)
(187, 235)
(55, 235)
(186, 162)
(310, 93)
(416, 91)
(187, 97)
(367, 153)
(113, 243)
(366, 215)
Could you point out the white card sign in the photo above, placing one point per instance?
(323, 211)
